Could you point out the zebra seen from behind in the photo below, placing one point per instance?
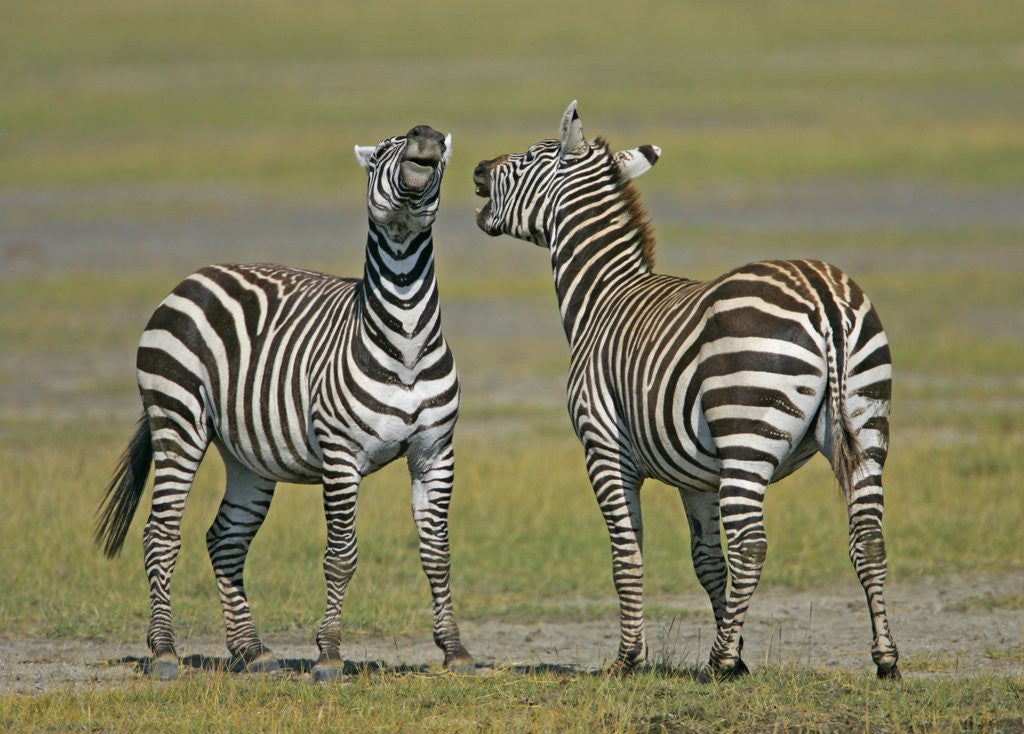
(299, 376)
(718, 388)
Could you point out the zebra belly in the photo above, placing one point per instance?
(291, 459)
(680, 469)
(390, 438)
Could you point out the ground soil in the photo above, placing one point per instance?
(944, 627)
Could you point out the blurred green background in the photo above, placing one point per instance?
(139, 140)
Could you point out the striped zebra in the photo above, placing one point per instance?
(718, 388)
(298, 376)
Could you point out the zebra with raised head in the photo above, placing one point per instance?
(299, 376)
(718, 388)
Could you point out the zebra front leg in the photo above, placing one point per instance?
(617, 489)
(431, 495)
(341, 488)
(242, 511)
(176, 460)
(706, 551)
(741, 503)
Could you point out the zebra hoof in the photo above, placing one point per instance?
(265, 663)
(737, 670)
(328, 670)
(890, 673)
(460, 662)
(621, 668)
(710, 673)
(164, 667)
(462, 665)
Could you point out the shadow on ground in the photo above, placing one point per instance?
(303, 666)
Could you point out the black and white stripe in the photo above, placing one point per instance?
(299, 376)
(718, 388)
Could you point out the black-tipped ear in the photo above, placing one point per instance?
(638, 161)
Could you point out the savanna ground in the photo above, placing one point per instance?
(142, 140)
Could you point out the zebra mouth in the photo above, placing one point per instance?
(417, 172)
(481, 178)
(423, 161)
(483, 219)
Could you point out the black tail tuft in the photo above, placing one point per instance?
(124, 491)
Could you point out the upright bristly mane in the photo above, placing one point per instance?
(637, 212)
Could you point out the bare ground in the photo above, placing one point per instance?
(952, 626)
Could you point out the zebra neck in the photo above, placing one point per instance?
(399, 319)
(593, 262)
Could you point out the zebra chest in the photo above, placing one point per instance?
(394, 419)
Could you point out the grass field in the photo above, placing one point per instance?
(506, 701)
(780, 124)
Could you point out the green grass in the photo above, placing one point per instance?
(769, 701)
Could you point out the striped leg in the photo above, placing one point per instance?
(706, 550)
(341, 488)
(176, 456)
(617, 489)
(741, 499)
(242, 511)
(431, 494)
(867, 551)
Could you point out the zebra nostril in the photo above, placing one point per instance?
(416, 132)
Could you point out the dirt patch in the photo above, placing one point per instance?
(951, 626)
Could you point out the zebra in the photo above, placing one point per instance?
(303, 377)
(717, 388)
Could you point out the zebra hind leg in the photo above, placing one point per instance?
(741, 502)
(431, 496)
(708, 560)
(867, 548)
(176, 456)
(242, 511)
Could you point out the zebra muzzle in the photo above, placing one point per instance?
(424, 150)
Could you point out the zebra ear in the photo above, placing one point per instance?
(570, 132)
(363, 155)
(638, 161)
(447, 149)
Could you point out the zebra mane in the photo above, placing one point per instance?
(637, 212)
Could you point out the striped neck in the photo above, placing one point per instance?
(399, 316)
(600, 243)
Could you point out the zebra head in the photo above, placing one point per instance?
(404, 184)
(522, 189)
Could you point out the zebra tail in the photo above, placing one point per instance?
(124, 491)
(846, 451)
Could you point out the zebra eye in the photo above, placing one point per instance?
(528, 157)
